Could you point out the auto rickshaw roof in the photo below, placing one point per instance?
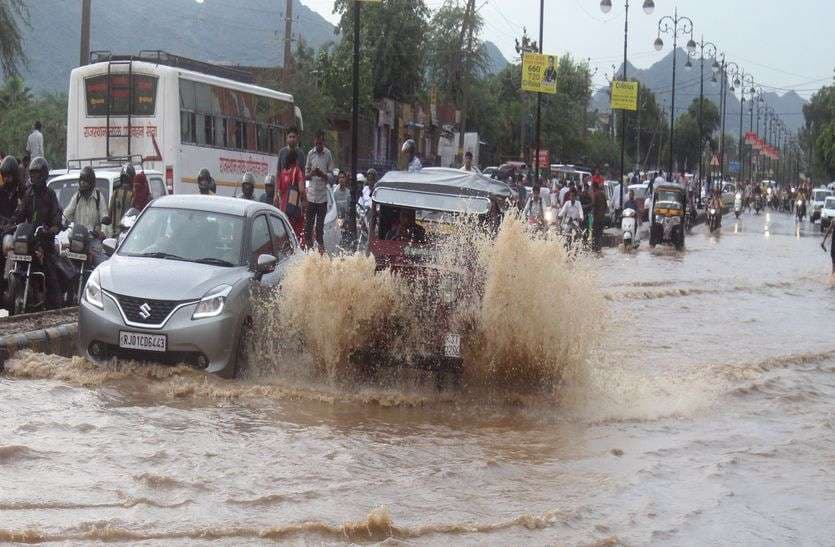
(438, 180)
(669, 186)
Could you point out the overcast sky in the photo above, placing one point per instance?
(785, 44)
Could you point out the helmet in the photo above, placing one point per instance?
(38, 172)
(360, 177)
(9, 170)
(409, 146)
(126, 176)
(205, 182)
(270, 181)
(86, 180)
(248, 184)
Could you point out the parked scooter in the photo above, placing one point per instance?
(738, 204)
(25, 277)
(629, 228)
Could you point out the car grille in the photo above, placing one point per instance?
(146, 311)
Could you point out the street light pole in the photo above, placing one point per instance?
(539, 97)
(741, 80)
(605, 6)
(711, 48)
(724, 91)
(670, 25)
(352, 216)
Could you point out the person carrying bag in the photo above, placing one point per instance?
(290, 195)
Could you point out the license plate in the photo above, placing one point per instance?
(20, 258)
(452, 345)
(147, 342)
(77, 256)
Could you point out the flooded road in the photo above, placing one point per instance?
(705, 417)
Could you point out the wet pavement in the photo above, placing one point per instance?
(704, 417)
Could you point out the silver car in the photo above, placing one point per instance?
(177, 289)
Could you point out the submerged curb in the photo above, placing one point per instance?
(56, 340)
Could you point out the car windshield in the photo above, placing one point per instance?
(65, 189)
(184, 234)
(819, 195)
(668, 195)
(639, 191)
(829, 203)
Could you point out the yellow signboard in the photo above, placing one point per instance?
(539, 73)
(624, 95)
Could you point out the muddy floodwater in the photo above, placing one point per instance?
(705, 417)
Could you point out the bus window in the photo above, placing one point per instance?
(205, 131)
(188, 129)
(240, 135)
(221, 138)
(263, 138)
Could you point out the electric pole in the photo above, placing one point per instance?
(84, 56)
(288, 39)
(469, 19)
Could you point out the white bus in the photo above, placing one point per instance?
(180, 115)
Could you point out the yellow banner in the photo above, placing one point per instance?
(539, 73)
(624, 95)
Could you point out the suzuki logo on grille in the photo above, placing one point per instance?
(145, 311)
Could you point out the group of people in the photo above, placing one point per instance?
(584, 203)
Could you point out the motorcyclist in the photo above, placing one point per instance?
(535, 209)
(269, 190)
(716, 203)
(122, 199)
(205, 182)
(40, 207)
(248, 186)
(572, 209)
(87, 206)
(409, 148)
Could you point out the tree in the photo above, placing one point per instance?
(16, 124)
(14, 91)
(12, 12)
(820, 132)
(445, 61)
(649, 117)
(393, 35)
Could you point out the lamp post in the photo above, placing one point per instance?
(727, 66)
(605, 7)
(674, 25)
(745, 83)
(711, 51)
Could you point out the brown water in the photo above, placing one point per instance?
(704, 414)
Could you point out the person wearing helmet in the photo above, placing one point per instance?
(40, 207)
(248, 186)
(205, 182)
(87, 207)
(269, 190)
(412, 161)
(122, 199)
(10, 189)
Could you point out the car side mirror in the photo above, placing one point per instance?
(265, 264)
(109, 245)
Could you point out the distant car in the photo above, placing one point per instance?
(818, 197)
(827, 212)
(178, 288)
(491, 172)
(66, 186)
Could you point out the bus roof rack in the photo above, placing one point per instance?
(163, 58)
(112, 161)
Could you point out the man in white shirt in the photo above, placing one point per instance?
(571, 209)
(319, 164)
(34, 144)
(564, 192)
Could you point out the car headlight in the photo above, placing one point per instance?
(712, 211)
(738, 196)
(92, 291)
(211, 305)
(799, 203)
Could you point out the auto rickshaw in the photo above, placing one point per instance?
(667, 215)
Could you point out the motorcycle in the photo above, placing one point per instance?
(572, 233)
(78, 260)
(800, 209)
(25, 276)
(712, 219)
(758, 204)
(629, 227)
(738, 204)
